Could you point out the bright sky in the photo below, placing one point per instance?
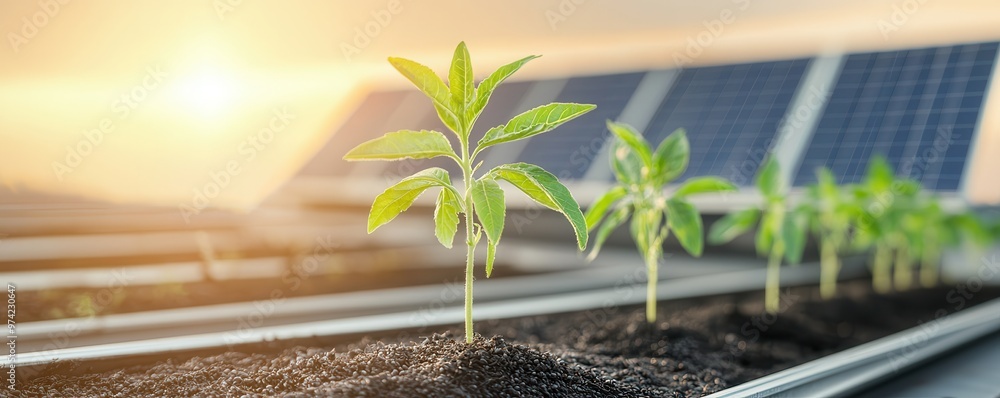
(154, 101)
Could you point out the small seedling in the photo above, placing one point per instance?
(642, 174)
(830, 211)
(936, 229)
(781, 233)
(886, 204)
(459, 104)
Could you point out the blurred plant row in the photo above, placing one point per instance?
(904, 227)
(893, 216)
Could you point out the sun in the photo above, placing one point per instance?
(208, 91)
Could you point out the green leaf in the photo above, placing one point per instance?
(970, 226)
(616, 219)
(544, 188)
(397, 198)
(460, 79)
(403, 144)
(769, 230)
(602, 205)
(533, 122)
(880, 175)
(634, 140)
(486, 87)
(446, 217)
(698, 185)
(769, 179)
(672, 156)
(826, 184)
(491, 254)
(487, 197)
(432, 86)
(793, 232)
(684, 220)
(733, 225)
(625, 163)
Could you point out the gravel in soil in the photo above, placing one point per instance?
(696, 347)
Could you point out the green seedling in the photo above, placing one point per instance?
(886, 205)
(830, 210)
(642, 173)
(481, 200)
(780, 234)
(937, 230)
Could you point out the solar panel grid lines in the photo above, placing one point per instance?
(917, 107)
(540, 93)
(731, 113)
(562, 152)
(951, 105)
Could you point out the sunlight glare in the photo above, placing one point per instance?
(209, 92)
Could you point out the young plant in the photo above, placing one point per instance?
(830, 211)
(480, 200)
(936, 230)
(780, 233)
(886, 204)
(642, 173)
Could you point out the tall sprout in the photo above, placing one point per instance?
(830, 210)
(780, 232)
(642, 174)
(937, 230)
(886, 204)
(481, 200)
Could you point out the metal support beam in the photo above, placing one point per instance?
(799, 124)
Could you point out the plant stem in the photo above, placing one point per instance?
(771, 286)
(881, 281)
(829, 268)
(652, 268)
(929, 266)
(469, 238)
(904, 272)
(469, 267)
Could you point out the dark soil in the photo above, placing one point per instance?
(696, 347)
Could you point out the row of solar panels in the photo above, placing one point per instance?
(917, 107)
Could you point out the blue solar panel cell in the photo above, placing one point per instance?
(918, 108)
(731, 114)
(568, 151)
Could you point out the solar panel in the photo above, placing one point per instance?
(731, 114)
(918, 108)
(564, 152)
(367, 122)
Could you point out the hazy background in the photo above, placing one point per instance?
(202, 79)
